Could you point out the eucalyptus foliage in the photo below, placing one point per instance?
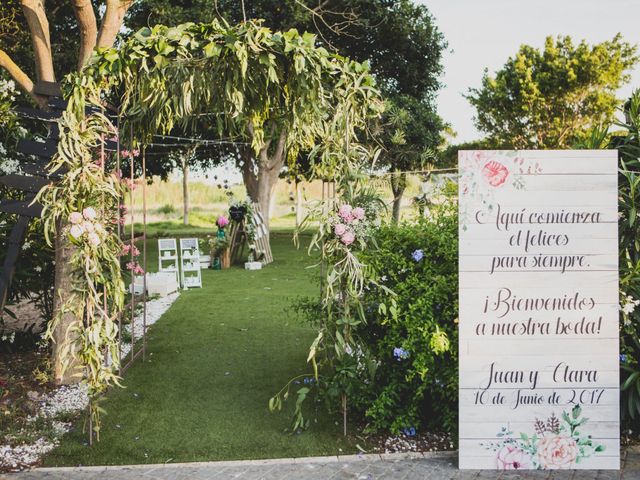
(244, 77)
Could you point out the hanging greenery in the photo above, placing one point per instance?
(245, 78)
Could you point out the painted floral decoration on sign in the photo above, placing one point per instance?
(483, 172)
(556, 444)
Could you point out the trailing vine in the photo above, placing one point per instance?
(246, 78)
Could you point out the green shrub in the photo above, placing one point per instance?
(420, 390)
(167, 209)
(629, 262)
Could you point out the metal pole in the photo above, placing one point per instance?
(144, 251)
(119, 230)
(131, 256)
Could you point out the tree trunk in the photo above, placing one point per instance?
(398, 186)
(260, 187)
(35, 15)
(185, 191)
(299, 216)
(62, 335)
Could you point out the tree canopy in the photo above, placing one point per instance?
(551, 98)
(399, 38)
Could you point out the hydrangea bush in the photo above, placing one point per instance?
(413, 337)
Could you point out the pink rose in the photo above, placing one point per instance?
(339, 229)
(345, 212)
(222, 221)
(89, 213)
(358, 213)
(348, 237)
(75, 218)
(94, 239)
(557, 452)
(76, 231)
(495, 173)
(512, 458)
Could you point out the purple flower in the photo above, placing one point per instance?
(623, 358)
(409, 432)
(417, 255)
(400, 353)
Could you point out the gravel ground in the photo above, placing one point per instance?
(58, 407)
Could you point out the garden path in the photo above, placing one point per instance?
(437, 466)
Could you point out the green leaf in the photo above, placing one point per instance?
(212, 49)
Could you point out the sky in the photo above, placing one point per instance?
(485, 33)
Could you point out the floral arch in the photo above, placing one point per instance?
(255, 79)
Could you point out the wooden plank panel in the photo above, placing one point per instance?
(16, 237)
(45, 149)
(538, 308)
(48, 89)
(21, 207)
(24, 183)
(35, 114)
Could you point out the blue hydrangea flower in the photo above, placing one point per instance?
(623, 358)
(400, 353)
(417, 255)
(409, 432)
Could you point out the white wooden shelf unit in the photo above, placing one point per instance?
(190, 263)
(168, 256)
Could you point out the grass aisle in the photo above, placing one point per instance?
(215, 358)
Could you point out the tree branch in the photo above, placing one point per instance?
(21, 78)
(88, 27)
(112, 21)
(39, 28)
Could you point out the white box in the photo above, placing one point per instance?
(253, 265)
(161, 283)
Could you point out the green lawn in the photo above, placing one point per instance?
(214, 360)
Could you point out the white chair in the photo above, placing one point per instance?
(168, 256)
(190, 263)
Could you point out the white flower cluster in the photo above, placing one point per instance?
(8, 90)
(10, 337)
(8, 166)
(628, 304)
(86, 224)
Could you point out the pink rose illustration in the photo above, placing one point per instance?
(495, 173)
(557, 452)
(340, 229)
(348, 238)
(482, 155)
(512, 458)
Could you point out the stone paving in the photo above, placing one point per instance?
(434, 466)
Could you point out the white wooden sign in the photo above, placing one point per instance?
(539, 380)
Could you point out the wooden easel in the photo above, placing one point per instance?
(238, 237)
